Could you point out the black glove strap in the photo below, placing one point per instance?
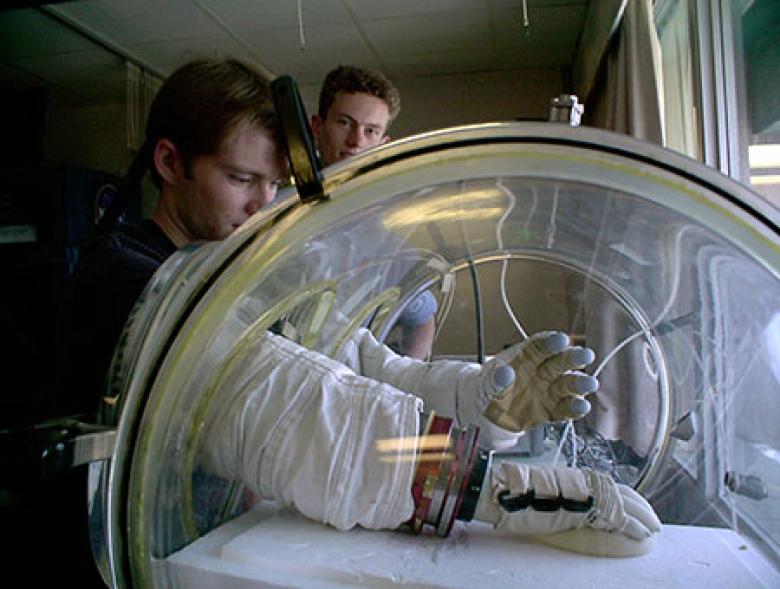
(512, 503)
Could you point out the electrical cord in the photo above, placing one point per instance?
(478, 312)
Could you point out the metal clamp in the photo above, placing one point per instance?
(55, 446)
(566, 108)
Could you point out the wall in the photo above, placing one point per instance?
(447, 100)
(94, 137)
(455, 99)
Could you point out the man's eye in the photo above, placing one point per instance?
(371, 132)
(241, 179)
(343, 122)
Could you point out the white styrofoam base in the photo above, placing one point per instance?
(269, 547)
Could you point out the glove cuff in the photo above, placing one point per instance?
(445, 482)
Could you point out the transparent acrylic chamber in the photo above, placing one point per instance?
(670, 272)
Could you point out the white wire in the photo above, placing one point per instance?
(553, 215)
(573, 445)
(504, 264)
(569, 426)
(507, 306)
(672, 296)
(526, 22)
(568, 430)
(632, 337)
(534, 206)
(301, 36)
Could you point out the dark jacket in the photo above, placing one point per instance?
(114, 267)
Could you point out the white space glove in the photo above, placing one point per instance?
(460, 390)
(530, 382)
(548, 385)
(512, 489)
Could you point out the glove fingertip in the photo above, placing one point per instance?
(557, 342)
(641, 510)
(579, 407)
(581, 356)
(585, 383)
(635, 530)
(503, 376)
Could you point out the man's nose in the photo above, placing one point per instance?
(354, 135)
(264, 195)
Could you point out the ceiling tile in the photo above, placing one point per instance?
(323, 45)
(141, 20)
(29, 33)
(405, 38)
(169, 55)
(534, 4)
(376, 9)
(465, 30)
(254, 16)
(547, 26)
(85, 72)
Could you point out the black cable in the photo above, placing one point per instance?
(478, 312)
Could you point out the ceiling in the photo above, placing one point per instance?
(78, 49)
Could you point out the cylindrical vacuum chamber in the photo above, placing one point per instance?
(668, 270)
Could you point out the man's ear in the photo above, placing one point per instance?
(385, 139)
(167, 161)
(315, 125)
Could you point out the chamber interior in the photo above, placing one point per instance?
(684, 320)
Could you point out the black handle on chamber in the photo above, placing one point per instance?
(43, 450)
(298, 137)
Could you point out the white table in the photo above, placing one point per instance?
(269, 547)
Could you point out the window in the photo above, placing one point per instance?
(757, 22)
(721, 91)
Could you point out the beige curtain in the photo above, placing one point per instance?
(626, 95)
(626, 98)
(142, 86)
(681, 131)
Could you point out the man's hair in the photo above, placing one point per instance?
(353, 80)
(204, 101)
